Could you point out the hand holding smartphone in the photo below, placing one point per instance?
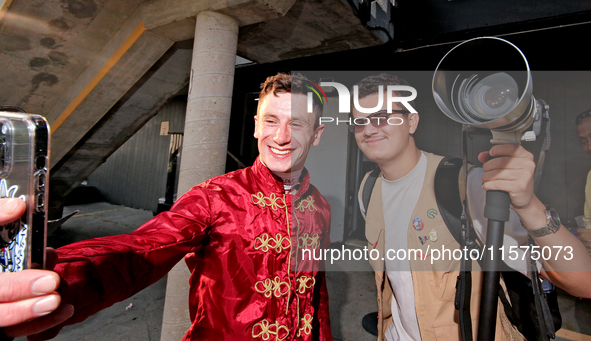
(24, 162)
(29, 303)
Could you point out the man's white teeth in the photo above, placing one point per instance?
(280, 152)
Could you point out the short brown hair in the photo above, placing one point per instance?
(369, 85)
(286, 83)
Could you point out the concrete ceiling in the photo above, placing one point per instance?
(99, 69)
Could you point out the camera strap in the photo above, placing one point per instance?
(464, 281)
(546, 323)
(545, 145)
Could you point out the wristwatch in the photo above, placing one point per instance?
(552, 226)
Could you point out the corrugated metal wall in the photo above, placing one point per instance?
(135, 175)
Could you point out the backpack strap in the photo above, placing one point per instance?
(447, 194)
(449, 185)
(370, 181)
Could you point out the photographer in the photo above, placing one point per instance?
(416, 302)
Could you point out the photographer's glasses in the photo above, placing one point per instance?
(379, 119)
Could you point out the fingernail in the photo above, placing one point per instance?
(64, 313)
(8, 206)
(46, 305)
(43, 285)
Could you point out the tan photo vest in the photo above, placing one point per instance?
(434, 285)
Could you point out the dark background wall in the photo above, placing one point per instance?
(565, 85)
(561, 77)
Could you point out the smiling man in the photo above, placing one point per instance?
(239, 234)
(284, 135)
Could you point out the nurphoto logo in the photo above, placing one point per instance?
(392, 96)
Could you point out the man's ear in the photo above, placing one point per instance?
(413, 122)
(318, 134)
(256, 125)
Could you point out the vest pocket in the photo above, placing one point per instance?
(443, 285)
(452, 331)
(447, 333)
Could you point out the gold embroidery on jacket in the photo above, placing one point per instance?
(275, 286)
(307, 325)
(272, 201)
(289, 257)
(305, 283)
(306, 241)
(307, 203)
(266, 242)
(266, 331)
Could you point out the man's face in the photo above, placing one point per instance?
(386, 143)
(285, 132)
(584, 134)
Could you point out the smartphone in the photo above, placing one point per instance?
(24, 162)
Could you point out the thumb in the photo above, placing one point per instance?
(11, 209)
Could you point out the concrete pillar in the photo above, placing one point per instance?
(205, 140)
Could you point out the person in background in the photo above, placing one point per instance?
(583, 123)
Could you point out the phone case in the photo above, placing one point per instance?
(24, 162)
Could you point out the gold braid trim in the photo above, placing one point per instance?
(304, 283)
(288, 256)
(307, 325)
(307, 203)
(271, 201)
(265, 331)
(272, 286)
(267, 242)
(306, 241)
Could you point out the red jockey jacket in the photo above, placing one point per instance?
(240, 235)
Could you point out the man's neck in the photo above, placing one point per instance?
(290, 179)
(400, 166)
(290, 176)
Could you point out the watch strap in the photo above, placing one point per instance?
(550, 227)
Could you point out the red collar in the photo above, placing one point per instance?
(269, 181)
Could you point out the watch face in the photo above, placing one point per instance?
(555, 217)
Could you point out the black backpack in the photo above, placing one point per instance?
(534, 321)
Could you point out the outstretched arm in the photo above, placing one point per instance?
(512, 170)
(99, 272)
